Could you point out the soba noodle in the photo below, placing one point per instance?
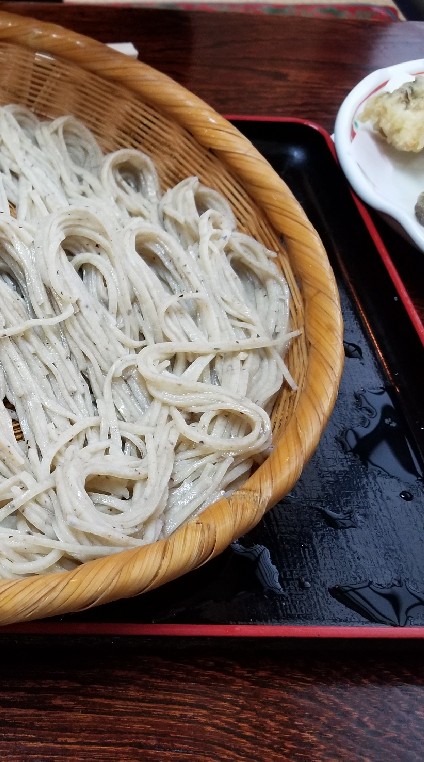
(141, 344)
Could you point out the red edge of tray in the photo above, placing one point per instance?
(322, 632)
(369, 632)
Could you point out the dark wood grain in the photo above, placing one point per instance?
(248, 64)
(133, 700)
(124, 699)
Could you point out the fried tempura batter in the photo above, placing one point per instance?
(399, 116)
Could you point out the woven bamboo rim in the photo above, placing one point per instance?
(41, 57)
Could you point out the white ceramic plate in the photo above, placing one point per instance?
(385, 178)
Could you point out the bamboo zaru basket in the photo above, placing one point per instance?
(127, 104)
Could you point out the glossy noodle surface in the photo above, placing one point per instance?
(141, 347)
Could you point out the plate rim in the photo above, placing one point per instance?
(343, 141)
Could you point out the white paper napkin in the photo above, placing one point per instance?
(124, 47)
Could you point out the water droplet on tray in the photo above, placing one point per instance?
(338, 520)
(396, 604)
(352, 350)
(265, 570)
(380, 439)
(305, 583)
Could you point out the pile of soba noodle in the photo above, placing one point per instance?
(141, 342)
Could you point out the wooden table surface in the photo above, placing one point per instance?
(249, 64)
(175, 699)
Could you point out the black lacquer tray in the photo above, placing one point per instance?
(343, 554)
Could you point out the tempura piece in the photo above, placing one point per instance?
(399, 116)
